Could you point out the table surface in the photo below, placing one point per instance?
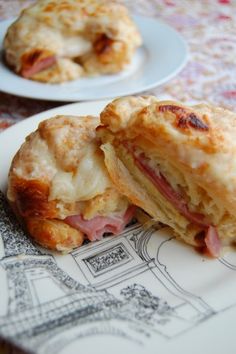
(208, 26)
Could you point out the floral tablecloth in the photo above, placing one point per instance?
(208, 26)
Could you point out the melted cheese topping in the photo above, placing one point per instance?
(75, 46)
(35, 160)
(89, 179)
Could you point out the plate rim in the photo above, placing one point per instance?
(65, 98)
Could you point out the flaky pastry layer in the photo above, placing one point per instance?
(191, 149)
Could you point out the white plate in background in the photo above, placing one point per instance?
(162, 56)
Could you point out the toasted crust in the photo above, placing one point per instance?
(195, 149)
(69, 39)
(54, 234)
(32, 198)
(117, 114)
(67, 137)
(59, 171)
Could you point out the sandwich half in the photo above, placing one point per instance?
(177, 163)
(59, 187)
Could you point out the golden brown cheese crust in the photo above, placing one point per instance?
(54, 234)
(195, 148)
(70, 38)
(59, 171)
(117, 114)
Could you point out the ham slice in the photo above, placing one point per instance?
(169, 193)
(96, 227)
(36, 63)
(211, 240)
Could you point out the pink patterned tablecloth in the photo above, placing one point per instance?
(208, 26)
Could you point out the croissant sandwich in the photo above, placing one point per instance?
(59, 187)
(177, 163)
(57, 41)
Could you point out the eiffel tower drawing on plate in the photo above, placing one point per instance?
(44, 303)
(42, 299)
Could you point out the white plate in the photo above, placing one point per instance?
(182, 302)
(162, 56)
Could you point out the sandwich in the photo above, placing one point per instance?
(59, 188)
(58, 41)
(177, 163)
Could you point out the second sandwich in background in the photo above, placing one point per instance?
(177, 163)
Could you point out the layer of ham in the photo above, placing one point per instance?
(38, 65)
(97, 226)
(211, 239)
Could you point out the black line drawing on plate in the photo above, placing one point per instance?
(228, 264)
(121, 265)
(124, 289)
(42, 299)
